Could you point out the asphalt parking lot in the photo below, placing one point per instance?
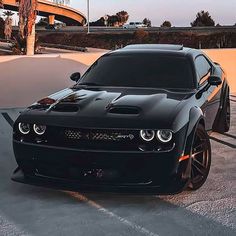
(29, 210)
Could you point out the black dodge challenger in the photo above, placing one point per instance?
(137, 121)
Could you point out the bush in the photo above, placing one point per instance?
(166, 24)
(141, 36)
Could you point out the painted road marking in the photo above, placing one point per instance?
(136, 227)
(8, 119)
(8, 228)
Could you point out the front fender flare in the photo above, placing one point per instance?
(195, 117)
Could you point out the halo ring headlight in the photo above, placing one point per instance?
(164, 136)
(147, 135)
(24, 128)
(39, 129)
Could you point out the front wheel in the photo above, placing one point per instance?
(200, 158)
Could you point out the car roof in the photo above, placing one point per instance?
(155, 47)
(167, 49)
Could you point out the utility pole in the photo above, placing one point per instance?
(88, 16)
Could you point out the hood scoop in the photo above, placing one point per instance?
(124, 110)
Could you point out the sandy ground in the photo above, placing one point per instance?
(23, 80)
(29, 210)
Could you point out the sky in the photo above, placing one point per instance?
(179, 12)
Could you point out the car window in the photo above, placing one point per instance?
(141, 70)
(203, 67)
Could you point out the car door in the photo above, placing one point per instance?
(204, 69)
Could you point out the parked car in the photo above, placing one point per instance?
(56, 26)
(134, 25)
(136, 121)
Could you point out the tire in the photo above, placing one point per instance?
(223, 120)
(200, 158)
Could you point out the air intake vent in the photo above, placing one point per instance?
(124, 110)
(65, 108)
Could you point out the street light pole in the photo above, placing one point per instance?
(88, 16)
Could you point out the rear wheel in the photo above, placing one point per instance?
(200, 158)
(223, 122)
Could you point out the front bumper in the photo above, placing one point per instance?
(86, 170)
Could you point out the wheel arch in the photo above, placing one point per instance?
(196, 117)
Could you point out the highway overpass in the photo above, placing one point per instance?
(66, 14)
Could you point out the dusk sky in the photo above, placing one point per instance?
(179, 12)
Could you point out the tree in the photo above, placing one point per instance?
(8, 25)
(166, 24)
(100, 22)
(119, 19)
(27, 17)
(147, 22)
(203, 19)
(113, 20)
(123, 17)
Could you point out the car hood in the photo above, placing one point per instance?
(111, 107)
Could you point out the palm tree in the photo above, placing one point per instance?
(27, 17)
(8, 24)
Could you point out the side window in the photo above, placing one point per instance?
(203, 68)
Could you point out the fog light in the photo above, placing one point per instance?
(24, 128)
(147, 135)
(164, 136)
(39, 129)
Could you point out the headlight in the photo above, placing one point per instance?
(24, 128)
(39, 129)
(164, 136)
(147, 135)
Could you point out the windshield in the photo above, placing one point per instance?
(140, 70)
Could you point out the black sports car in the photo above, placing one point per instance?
(136, 121)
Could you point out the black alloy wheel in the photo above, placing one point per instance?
(227, 119)
(200, 158)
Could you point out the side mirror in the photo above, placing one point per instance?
(214, 80)
(75, 76)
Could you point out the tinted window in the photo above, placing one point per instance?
(140, 70)
(202, 66)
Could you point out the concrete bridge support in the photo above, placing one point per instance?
(51, 19)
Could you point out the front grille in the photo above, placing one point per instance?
(96, 135)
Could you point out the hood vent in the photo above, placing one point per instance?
(65, 108)
(125, 110)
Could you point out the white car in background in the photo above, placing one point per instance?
(134, 25)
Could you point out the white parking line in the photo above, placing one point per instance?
(100, 208)
(8, 228)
